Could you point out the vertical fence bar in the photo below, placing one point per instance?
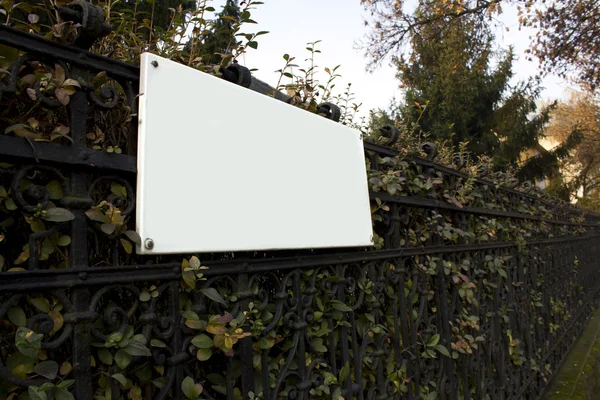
(78, 201)
(246, 352)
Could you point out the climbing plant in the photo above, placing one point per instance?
(476, 283)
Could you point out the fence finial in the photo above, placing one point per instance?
(390, 132)
(90, 17)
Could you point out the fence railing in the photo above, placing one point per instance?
(475, 291)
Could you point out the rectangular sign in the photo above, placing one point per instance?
(222, 168)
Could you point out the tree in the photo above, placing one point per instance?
(378, 118)
(217, 44)
(581, 167)
(159, 12)
(454, 91)
(222, 37)
(559, 188)
(568, 37)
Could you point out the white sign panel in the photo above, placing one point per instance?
(222, 168)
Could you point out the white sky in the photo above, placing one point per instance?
(339, 25)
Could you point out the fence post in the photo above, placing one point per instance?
(77, 201)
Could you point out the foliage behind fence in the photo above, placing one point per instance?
(476, 287)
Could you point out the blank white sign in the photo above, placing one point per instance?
(222, 168)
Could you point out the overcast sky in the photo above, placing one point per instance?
(339, 25)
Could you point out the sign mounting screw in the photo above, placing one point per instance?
(154, 64)
(149, 244)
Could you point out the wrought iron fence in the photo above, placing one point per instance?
(476, 292)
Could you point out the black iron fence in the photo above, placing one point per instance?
(476, 290)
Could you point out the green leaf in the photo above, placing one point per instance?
(28, 342)
(194, 262)
(16, 315)
(127, 246)
(203, 354)
(344, 373)
(140, 338)
(216, 329)
(63, 394)
(159, 382)
(45, 386)
(321, 332)
(41, 304)
(137, 349)
(65, 368)
(109, 229)
(58, 215)
(120, 378)
(264, 344)
(212, 294)
(105, 356)
(115, 337)
(336, 315)
(57, 319)
(219, 389)
(67, 383)
(216, 379)
(64, 241)
(338, 305)
(317, 344)
(189, 388)
(36, 394)
(433, 340)
(145, 296)
(122, 358)
(55, 190)
(253, 44)
(47, 247)
(157, 343)
(337, 394)
(133, 236)
(10, 205)
(190, 315)
(442, 350)
(15, 127)
(47, 369)
(118, 190)
(202, 341)
(96, 215)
